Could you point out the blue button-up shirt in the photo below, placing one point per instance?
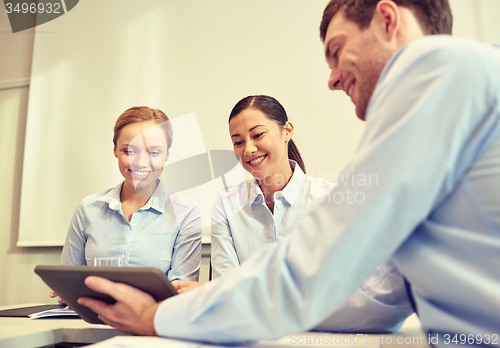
(165, 233)
(243, 224)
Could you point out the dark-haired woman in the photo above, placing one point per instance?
(256, 213)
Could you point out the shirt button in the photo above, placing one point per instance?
(277, 205)
(133, 225)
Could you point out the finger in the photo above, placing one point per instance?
(118, 291)
(53, 294)
(189, 288)
(104, 320)
(117, 325)
(100, 284)
(103, 310)
(179, 284)
(107, 321)
(99, 307)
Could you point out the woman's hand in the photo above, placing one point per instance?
(54, 295)
(183, 286)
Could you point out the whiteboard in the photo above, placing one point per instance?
(182, 57)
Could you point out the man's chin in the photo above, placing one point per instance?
(361, 113)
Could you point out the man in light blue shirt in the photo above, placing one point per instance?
(432, 111)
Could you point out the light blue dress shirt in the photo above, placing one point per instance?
(242, 224)
(165, 233)
(433, 139)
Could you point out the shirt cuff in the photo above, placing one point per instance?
(171, 316)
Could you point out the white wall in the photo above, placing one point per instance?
(181, 57)
(19, 283)
(473, 18)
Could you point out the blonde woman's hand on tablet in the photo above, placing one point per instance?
(53, 294)
(133, 311)
(183, 286)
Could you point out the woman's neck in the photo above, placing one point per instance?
(272, 184)
(132, 200)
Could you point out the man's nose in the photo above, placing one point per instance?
(335, 80)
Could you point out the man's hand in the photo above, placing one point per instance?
(183, 286)
(132, 313)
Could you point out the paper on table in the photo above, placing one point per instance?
(147, 342)
(58, 312)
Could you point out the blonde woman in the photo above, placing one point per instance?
(138, 220)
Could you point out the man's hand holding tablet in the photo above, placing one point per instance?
(133, 311)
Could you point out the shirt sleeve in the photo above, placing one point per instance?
(73, 253)
(223, 252)
(186, 258)
(423, 131)
(379, 305)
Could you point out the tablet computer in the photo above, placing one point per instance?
(67, 282)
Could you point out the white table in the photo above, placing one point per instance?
(27, 333)
(24, 332)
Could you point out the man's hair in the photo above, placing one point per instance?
(434, 16)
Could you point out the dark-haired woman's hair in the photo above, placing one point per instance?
(274, 111)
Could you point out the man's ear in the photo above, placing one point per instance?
(387, 19)
(288, 127)
(168, 155)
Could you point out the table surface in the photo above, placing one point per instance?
(24, 333)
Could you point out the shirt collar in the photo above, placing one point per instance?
(157, 201)
(289, 192)
(112, 197)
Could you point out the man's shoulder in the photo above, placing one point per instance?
(432, 42)
(443, 48)
(439, 53)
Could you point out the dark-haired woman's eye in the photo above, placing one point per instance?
(237, 143)
(259, 135)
